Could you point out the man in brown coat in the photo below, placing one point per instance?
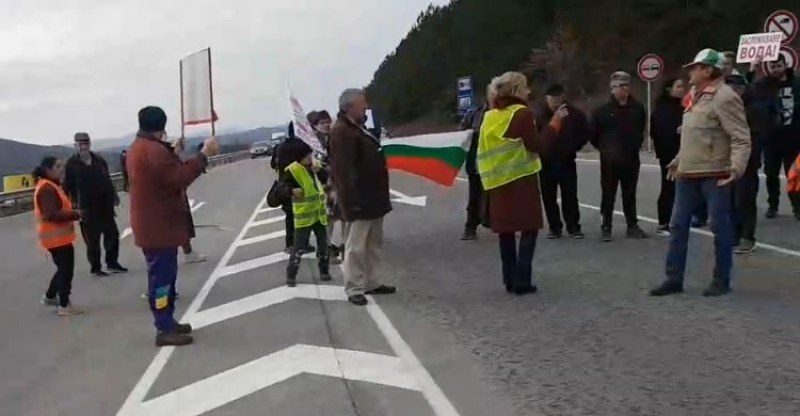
(158, 182)
(361, 179)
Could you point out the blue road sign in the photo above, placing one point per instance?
(465, 95)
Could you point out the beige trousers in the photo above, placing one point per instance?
(362, 255)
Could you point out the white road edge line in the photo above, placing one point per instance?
(765, 246)
(128, 231)
(139, 391)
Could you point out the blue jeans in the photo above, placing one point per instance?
(689, 195)
(162, 271)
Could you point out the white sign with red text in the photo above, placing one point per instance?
(766, 46)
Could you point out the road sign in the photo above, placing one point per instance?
(465, 94)
(17, 183)
(782, 21)
(650, 67)
(759, 45)
(789, 55)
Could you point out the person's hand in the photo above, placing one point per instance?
(180, 145)
(672, 170)
(756, 63)
(210, 147)
(561, 112)
(727, 181)
(297, 193)
(316, 166)
(680, 129)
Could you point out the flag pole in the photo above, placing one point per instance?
(211, 91)
(183, 123)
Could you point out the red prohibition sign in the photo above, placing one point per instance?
(782, 21)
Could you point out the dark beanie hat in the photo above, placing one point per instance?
(152, 119)
(294, 150)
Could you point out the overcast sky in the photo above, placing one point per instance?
(89, 65)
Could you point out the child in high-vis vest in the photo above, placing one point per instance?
(309, 209)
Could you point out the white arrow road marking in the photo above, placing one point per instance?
(262, 238)
(268, 209)
(402, 371)
(268, 221)
(128, 231)
(220, 389)
(263, 300)
(402, 198)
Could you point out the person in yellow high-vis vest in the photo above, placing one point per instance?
(509, 165)
(309, 211)
(55, 228)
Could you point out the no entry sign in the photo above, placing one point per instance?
(650, 67)
(791, 57)
(782, 21)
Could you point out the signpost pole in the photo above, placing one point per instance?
(647, 121)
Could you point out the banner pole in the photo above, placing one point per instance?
(649, 112)
(183, 123)
(211, 92)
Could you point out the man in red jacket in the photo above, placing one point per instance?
(158, 182)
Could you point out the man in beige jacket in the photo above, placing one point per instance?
(715, 148)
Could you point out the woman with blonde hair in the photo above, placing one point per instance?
(509, 165)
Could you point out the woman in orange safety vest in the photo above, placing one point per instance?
(55, 228)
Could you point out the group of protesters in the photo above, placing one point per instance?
(341, 178)
(708, 139)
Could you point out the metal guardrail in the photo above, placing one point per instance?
(20, 201)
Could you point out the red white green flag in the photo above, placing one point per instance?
(437, 157)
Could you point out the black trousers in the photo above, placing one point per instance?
(774, 159)
(301, 236)
(666, 198)
(564, 176)
(517, 261)
(92, 232)
(61, 283)
(474, 198)
(619, 175)
(745, 210)
(288, 224)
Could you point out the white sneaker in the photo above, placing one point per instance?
(194, 257)
(69, 310)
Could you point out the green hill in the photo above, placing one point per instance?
(578, 42)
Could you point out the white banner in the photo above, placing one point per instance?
(302, 128)
(766, 46)
(196, 93)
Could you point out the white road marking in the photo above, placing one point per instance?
(402, 198)
(139, 391)
(769, 247)
(220, 389)
(254, 264)
(127, 232)
(268, 221)
(265, 299)
(404, 371)
(268, 209)
(262, 238)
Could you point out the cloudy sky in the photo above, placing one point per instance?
(89, 65)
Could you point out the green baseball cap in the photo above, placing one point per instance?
(708, 57)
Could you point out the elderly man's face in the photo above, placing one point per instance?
(700, 75)
(621, 90)
(358, 108)
(83, 147)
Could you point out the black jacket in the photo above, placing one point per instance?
(90, 187)
(359, 170)
(782, 97)
(664, 122)
(571, 138)
(617, 131)
(473, 120)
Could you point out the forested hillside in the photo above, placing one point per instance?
(578, 42)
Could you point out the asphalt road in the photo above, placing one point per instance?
(451, 342)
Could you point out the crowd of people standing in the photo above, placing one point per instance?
(708, 134)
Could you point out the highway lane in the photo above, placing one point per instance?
(259, 347)
(591, 343)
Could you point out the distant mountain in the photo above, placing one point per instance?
(21, 158)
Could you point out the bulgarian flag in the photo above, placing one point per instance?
(437, 157)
